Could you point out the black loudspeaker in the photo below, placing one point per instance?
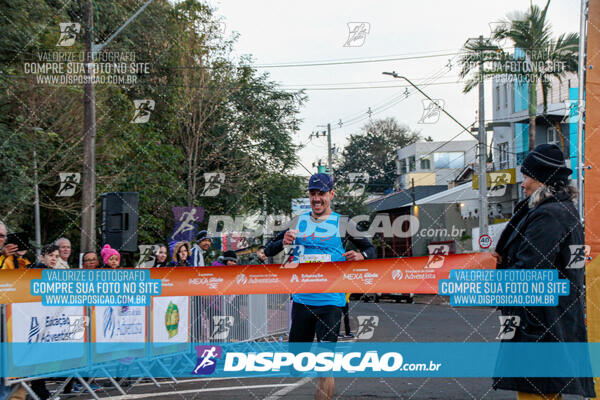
(120, 220)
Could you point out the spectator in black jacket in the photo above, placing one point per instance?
(258, 258)
(545, 232)
(48, 257)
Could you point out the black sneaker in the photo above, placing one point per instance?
(349, 335)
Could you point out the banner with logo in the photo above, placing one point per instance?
(186, 223)
(170, 316)
(388, 275)
(35, 328)
(118, 332)
(395, 275)
(364, 359)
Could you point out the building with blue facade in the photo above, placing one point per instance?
(511, 121)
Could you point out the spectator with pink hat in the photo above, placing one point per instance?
(110, 256)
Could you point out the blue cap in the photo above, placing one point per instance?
(320, 181)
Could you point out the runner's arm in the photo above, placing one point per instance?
(275, 245)
(364, 245)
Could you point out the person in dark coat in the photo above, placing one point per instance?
(228, 258)
(258, 258)
(180, 255)
(48, 258)
(544, 233)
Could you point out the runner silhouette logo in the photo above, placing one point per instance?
(68, 33)
(579, 253)
(222, 324)
(366, 326)
(207, 359)
(508, 326)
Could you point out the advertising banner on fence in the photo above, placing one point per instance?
(361, 359)
(170, 324)
(393, 275)
(112, 326)
(36, 325)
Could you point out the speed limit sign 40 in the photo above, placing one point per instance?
(485, 241)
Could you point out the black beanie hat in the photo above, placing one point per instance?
(230, 255)
(203, 235)
(546, 164)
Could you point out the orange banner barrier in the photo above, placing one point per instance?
(390, 275)
(592, 175)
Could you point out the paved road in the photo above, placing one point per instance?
(397, 322)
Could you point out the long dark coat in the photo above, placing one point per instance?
(545, 237)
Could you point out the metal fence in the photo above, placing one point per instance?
(238, 318)
(227, 318)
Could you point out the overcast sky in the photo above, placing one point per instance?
(282, 31)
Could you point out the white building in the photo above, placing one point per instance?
(433, 163)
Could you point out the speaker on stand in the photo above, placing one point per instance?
(119, 224)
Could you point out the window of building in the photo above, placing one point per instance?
(553, 136)
(505, 95)
(512, 96)
(411, 164)
(450, 159)
(497, 97)
(403, 166)
(503, 155)
(426, 162)
(560, 97)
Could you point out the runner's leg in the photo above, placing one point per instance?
(303, 323)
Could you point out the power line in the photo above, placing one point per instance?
(368, 87)
(347, 62)
(397, 99)
(362, 58)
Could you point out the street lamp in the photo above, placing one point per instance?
(88, 186)
(36, 204)
(483, 217)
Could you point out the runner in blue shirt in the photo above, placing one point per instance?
(323, 236)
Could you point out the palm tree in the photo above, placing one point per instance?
(541, 56)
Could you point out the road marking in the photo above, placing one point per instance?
(219, 389)
(286, 390)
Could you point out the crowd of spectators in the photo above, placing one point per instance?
(57, 255)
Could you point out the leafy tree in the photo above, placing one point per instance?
(539, 53)
(213, 113)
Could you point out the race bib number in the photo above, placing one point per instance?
(315, 258)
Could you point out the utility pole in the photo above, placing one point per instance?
(483, 204)
(482, 139)
(395, 75)
(329, 150)
(88, 186)
(36, 209)
(329, 147)
(88, 195)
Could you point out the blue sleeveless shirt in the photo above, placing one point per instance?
(322, 242)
